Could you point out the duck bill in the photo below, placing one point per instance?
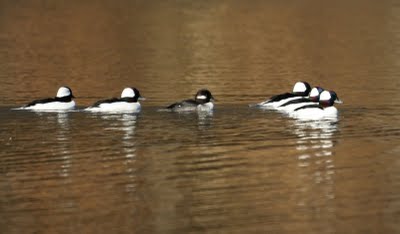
(213, 99)
(141, 98)
(338, 101)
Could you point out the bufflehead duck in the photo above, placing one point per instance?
(313, 98)
(127, 103)
(324, 109)
(62, 101)
(300, 89)
(202, 102)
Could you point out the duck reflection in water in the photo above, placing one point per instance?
(316, 167)
(315, 136)
(204, 119)
(126, 124)
(59, 122)
(63, 137)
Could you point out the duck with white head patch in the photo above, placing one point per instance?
(313, 98)
(128, 103)
(203, 101)
(62, 101)
(300, 89)
(323, 110)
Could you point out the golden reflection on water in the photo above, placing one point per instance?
(243, 51)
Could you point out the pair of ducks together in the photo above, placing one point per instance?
(303, 102)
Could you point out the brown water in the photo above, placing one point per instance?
(237, 170)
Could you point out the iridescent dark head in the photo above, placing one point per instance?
(328, 98)
(131, 93)
(204, 96)
(64, 91)
(315, 92)
(302, 88)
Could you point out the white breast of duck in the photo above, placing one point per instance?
(209, 106)
(323, 110)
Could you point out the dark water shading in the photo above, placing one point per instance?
(235, 170)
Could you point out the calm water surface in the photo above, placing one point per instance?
(236, 170)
